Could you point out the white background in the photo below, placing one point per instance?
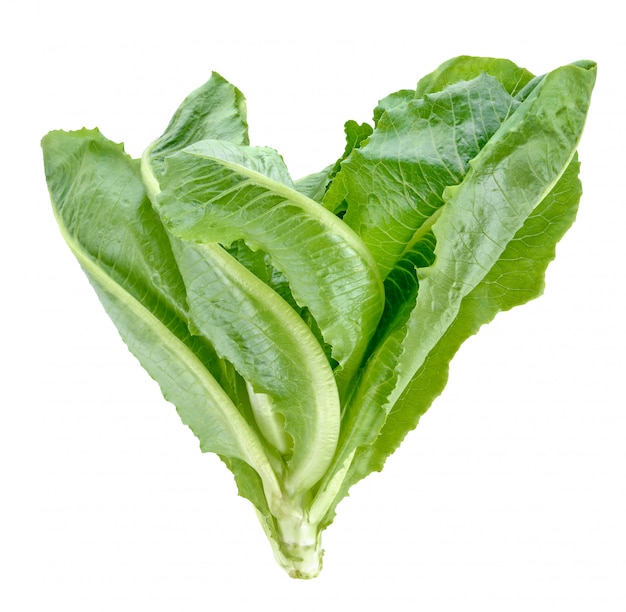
(510, 495)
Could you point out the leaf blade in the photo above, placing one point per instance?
(517, 278)
(508, 179)
(466, 251)
(395, 181)
(108, 223)
(216, 192)
(273, 350)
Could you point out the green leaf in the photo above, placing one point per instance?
(315, 185)
(356, 135)
(109, 224)
(515, 279)
(275, 352)
(216, 110)
(395, 181)
(465, 67)
(508, 180)
(302, 329)
(218, 192)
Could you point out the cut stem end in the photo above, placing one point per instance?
(299, 549)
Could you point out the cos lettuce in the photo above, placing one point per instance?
(302, 327)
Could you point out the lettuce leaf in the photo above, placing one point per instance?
(302, 327)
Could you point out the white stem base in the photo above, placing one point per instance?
(300, 550)
(299, 546)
